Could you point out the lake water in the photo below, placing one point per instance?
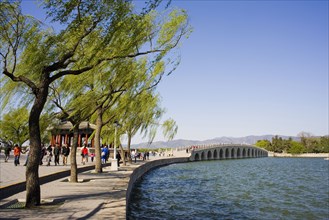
(260, 188)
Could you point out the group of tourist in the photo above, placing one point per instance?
(105, 154)
(141, 155)
(49, 152)
(63, 151)
(57, 152)
(18, 151)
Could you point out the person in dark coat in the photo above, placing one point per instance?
(57, 151)
(49, 154)
(65, 153)
(7, 152)
(118, 156)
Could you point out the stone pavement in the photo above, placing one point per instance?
(10, 174)
(97, 196)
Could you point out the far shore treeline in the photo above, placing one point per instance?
(307, 144)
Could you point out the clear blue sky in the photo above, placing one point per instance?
(250, 68)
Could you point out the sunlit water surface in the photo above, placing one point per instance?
(261, 188)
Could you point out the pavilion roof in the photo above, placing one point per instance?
(68, 126)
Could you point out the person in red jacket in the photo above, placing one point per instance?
(17, 154)
(84, 154)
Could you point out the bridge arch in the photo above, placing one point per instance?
(244, 153)
(209, 156)
(215, 156)
(221, 154)
(202, 156)
(238, 153)
(227, 154)
(233, 155)
(196, 156)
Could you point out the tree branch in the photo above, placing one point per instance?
(71, 72)
(64, 61)
(23, 79)
(87, 68)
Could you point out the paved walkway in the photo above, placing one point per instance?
(10, 174)
(98, 196)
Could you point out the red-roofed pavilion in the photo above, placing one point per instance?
(63, 133)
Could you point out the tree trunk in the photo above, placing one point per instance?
(74, 168)
(33, 193)
(122, 152)
(128, 148)
(99, 124)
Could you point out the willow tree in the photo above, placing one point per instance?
(123, 77)
(102, 90)
(34, 56)
(100, 94)
(62, 95)
(140, 110)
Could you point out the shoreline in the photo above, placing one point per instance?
(110, 195)
(305, 155)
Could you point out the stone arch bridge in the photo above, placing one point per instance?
(224, 151)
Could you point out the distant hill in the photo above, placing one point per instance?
(225, 140)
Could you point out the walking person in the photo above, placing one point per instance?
(84, 154)
(49, 154)
(27, 151)
(103, 155)
(107, 153)
(57, 151)
(17, 154)
(7, 152)
(65, 153)
(133, 155)
(118, 157)
(92, 155)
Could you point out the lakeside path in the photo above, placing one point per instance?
(99, 196)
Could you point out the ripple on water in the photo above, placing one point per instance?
(266, 188)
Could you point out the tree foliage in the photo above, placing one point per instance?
(170, 128)
(14, 126)
(306, 144)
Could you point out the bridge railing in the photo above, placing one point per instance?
(207, 146)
